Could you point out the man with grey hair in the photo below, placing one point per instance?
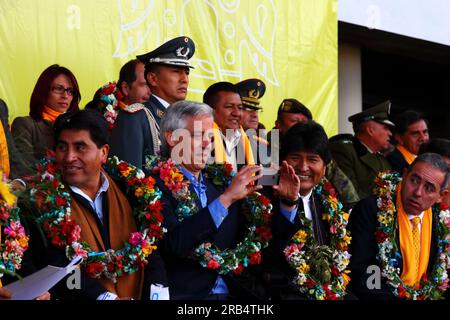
(401, 230)
(208, 209)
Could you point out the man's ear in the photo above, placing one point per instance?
(104, 153)
(152, 79)
(442, 196)
(124, 88)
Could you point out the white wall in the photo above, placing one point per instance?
(422, 19)
(349, 84)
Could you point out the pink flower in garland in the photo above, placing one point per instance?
(135, 239)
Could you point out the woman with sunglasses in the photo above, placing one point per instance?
(56, 92)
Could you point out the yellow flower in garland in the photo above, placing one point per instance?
(301, 236)
(346, 277)
(6, 194)
(303, 268)
(147, 250)
(138, 192)
(23, 242)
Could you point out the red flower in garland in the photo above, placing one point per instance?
(239, 269)
(155, 231)
(264, 200)
(381, 236)
(310, 283)
(123, 166)
(228, 169)
(264, 232)
(213, 264)
(60, 201)
(109, 88)
(401, 291)
(55, 183)
(155, 208)
(255, 258)
(93, 269)
(328, 187)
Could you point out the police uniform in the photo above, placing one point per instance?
(136, 131)
(251, 91)
(359, 164)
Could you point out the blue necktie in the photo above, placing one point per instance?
(200, 189)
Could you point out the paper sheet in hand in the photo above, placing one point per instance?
(41, 281)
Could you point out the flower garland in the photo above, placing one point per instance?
(256, 208)
(14, 242)
(431, 286)
(53, 200)
(321, 270)
(110, 94)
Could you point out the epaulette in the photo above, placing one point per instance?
(133, 108)
(261, 140)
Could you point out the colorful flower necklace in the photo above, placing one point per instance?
(53, 200)
(432, 286)
(14, 242)
(256, 208)
(321, 270)
(110, 95)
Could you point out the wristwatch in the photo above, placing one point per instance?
(289, 202)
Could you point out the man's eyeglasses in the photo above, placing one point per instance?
(61, 90)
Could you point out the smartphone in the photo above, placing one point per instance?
(270, 177)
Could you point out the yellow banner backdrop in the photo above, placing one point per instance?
(290, 45)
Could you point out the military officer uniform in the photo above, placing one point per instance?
(359, 164)
(136, 131)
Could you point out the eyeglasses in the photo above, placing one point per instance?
(61, 90)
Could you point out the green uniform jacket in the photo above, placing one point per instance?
(360, 166)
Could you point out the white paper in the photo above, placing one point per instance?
(158, 292)
(41, 281)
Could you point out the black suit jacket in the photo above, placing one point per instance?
(131, 138)
(362, 224)
(278, 274)
(187, 279)
(397, 161)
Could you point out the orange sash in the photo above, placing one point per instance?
(49, 114)
(121, 224)
(219, 148)
(409, 276)
(4, 154)
(409, 157)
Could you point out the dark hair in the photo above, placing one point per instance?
(436, 145)
(210, 96)
(43, 87)
(403, 120)
(309, 136)
(88, 120)
(96, 103)
(128, 73)
(151, 67)
(436, 161)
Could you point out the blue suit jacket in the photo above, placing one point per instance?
(186, 277)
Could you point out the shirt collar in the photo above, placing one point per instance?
(412, 216)
(233, 141)
(162, 101)
(307, 197)
(103, 188)
(188, 175)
